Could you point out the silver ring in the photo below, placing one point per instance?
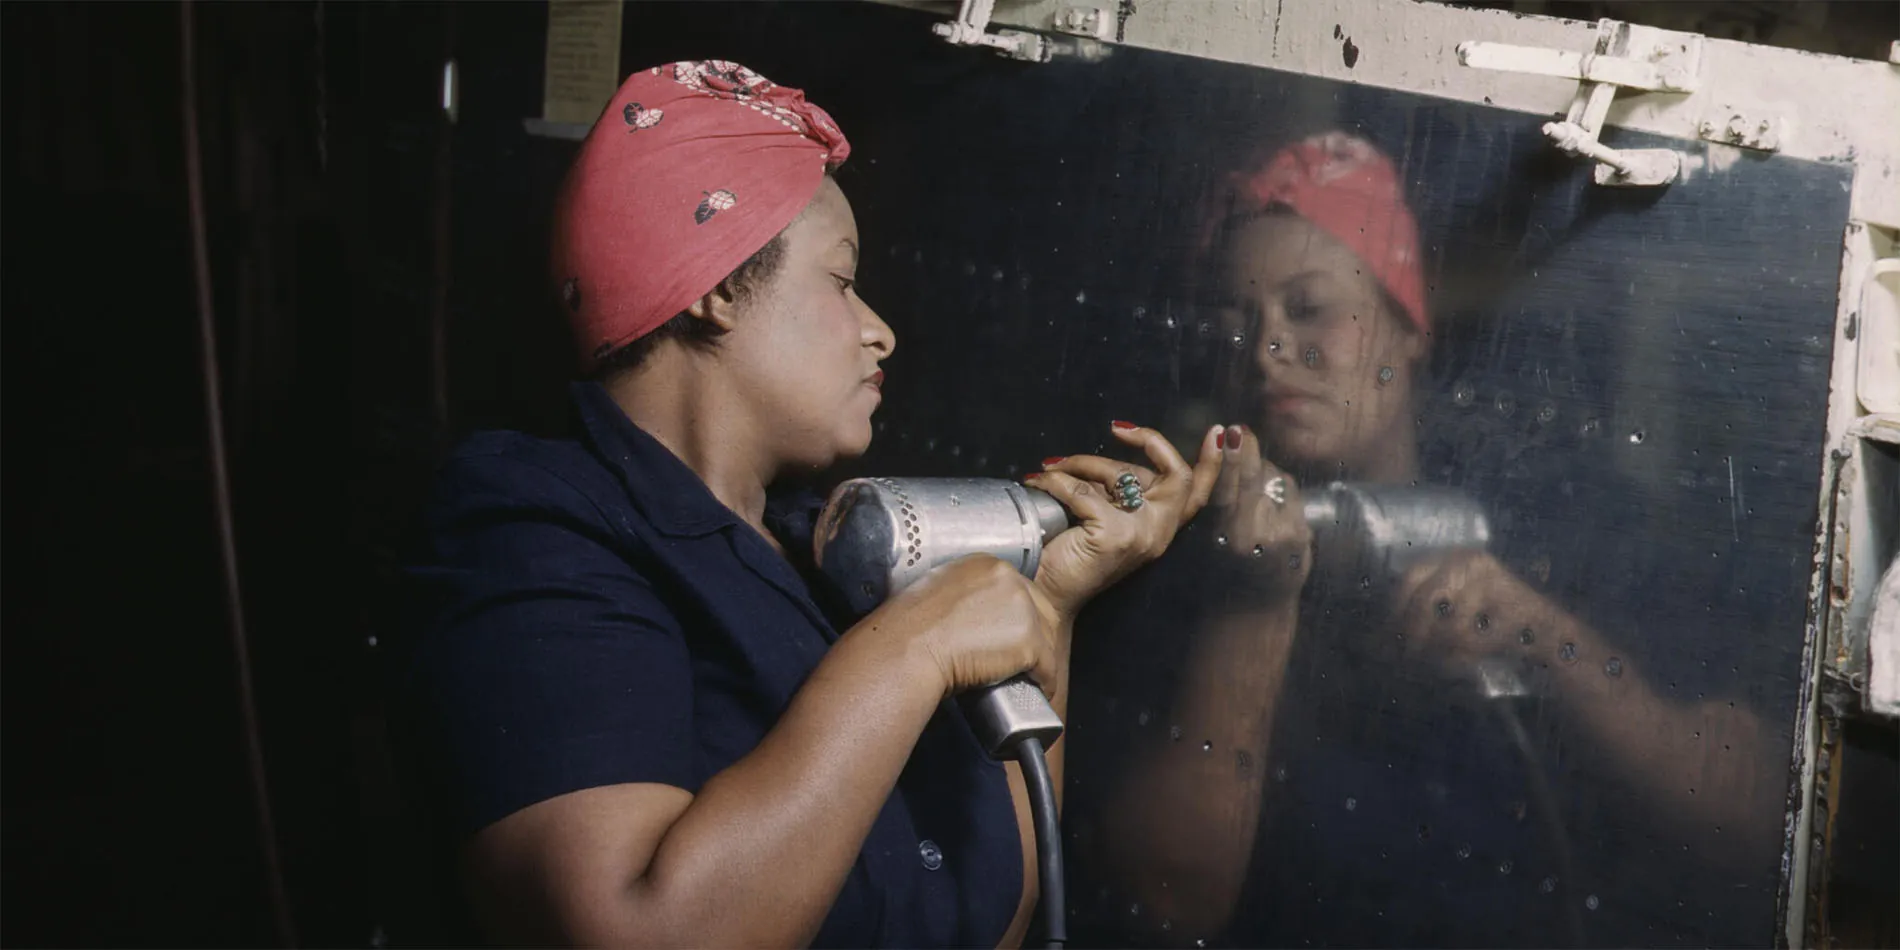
(1276, 489)
(1128, 487)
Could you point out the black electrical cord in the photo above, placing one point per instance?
(221, 489)
(1545, 801)
(1048, 822)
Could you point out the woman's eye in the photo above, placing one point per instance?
(1241, 318)
(845, 283)
(1303, 311)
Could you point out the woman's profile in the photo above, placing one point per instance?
(645, 724)
(1295, 692)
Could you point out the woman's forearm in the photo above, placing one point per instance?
(1699, 762)
(1059, 698)
(1188, 811)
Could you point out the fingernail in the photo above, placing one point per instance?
(1233, 438)
(1219, 433)
(1053, 459)
(1123, 425)
(1244, 430)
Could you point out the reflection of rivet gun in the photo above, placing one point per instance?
(1370, 535)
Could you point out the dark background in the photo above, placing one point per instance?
(376, 289)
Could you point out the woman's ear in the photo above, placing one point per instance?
(1418, 343)
(1414, 345)
(719, 306)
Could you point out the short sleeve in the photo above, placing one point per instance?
(547, 663)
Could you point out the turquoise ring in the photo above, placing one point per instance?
(1129, 488)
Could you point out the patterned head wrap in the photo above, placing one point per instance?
(692, 169)
(1346, 188)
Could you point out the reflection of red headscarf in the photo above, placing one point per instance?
(1343, 186)
(693, 168)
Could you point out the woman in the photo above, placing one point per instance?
(1315, 257)
(652, 730)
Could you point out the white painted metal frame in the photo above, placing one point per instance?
(1624, 57)
(970, 27)
(1804, 105)
(1833, 106)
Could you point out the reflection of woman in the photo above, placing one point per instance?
(1316, 265)
(648, 728)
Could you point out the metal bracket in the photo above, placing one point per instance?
(971, 28)
(1863, 590)
(1093, 22)
(1735, 127)
(1625, 57)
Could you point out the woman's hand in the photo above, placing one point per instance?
(975, 621)
(1112, 541)
(1261, 518)
(1466, 606)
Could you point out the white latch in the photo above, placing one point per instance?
(1627, 57)
(1877, 336)
(971, 28)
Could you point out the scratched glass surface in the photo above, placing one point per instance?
(1541, 694)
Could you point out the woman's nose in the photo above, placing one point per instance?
(1273, 344)
(876, 334)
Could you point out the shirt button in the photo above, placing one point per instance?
(932, 855)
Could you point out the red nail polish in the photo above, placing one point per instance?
(1123, 425)
(1053, 459)
(1233, 438)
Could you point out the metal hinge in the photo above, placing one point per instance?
(971, 26)
(1626, 57)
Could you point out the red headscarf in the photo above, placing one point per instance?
(693, 168)
(1346, 188)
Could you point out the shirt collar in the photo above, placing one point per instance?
(666, 492)
(671, 496)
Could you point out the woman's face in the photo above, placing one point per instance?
(809, 347)
(1330, 366)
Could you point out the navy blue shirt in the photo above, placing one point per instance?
(597, 617)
